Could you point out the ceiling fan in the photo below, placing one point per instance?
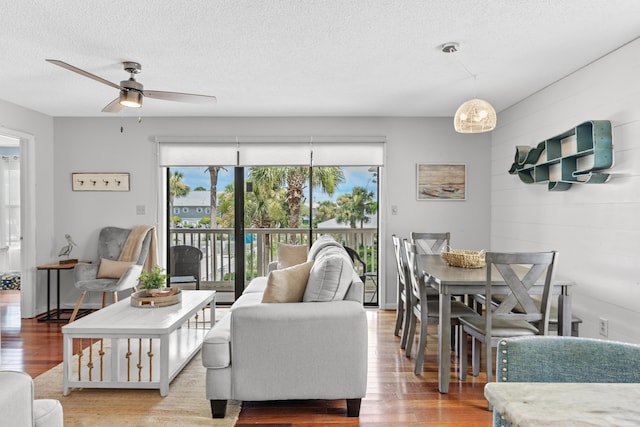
(132, 91)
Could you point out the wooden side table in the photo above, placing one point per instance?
(57, 267)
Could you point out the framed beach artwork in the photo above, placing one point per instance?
(441, 181)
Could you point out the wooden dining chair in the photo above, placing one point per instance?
(403, 311)
(519, 271)
(431, 243)
(425, 306)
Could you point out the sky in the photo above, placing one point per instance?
(354, 177)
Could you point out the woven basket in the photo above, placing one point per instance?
(464, 258)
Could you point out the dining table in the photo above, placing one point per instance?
(452, 282)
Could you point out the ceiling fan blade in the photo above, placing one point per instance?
(83, 73)
(180, 97)
(113, 107)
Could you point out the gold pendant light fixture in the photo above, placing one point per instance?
(475, 115)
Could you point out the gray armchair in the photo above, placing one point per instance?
(111, 242)
(565, 360)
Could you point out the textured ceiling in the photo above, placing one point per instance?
(303, 58)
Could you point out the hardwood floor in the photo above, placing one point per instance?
(395, 396)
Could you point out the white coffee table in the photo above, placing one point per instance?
(119, 344)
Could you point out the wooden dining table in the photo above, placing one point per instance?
(456, 281)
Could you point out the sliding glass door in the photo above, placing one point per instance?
(261, 191)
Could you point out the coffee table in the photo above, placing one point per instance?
(116, 347)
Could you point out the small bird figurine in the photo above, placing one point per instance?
(66, 249)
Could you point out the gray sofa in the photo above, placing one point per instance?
(299, 350)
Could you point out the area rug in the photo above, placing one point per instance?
(10, 280)
(186, 404)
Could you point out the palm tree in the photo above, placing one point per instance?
(227, 207)
(354, 207)
(325, 211)
(294, 179)
(213, 191)
(177, 187)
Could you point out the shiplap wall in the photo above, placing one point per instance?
(596, 228)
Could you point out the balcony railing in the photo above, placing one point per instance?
(218, 249)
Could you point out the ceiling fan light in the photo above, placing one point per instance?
(475, 116)
(131, 98)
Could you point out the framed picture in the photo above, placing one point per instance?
(441, 181)
(82, 181)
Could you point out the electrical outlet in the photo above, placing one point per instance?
(604, 327)
(141, 209)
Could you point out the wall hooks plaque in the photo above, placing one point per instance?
(85, 181)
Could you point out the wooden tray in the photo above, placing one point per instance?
(143, 299)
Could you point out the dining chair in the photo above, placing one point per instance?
(431, 243)
(403, 311)
(519, 272)
(425, 306)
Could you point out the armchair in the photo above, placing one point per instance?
(184, 265)
(18, 407)
(122, 255)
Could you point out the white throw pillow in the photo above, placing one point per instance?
(330, 276)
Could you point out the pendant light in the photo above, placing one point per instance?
(475, 115)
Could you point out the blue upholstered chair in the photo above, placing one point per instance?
(565, 360)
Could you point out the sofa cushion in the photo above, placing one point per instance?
(251, 298)
(112, 269)
(48, 412)
(330, 276)
(322, 242)
(288, 284)
(257, 284)
(290, 255)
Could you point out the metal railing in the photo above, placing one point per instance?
(218, 248)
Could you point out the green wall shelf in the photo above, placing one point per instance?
(576, 156)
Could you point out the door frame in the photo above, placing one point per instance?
(27, 221)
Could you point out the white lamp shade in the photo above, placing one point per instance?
(475, 116)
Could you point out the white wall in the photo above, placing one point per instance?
(97, 145)
(595, 227)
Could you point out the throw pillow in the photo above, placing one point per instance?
(287, 285)
(290, 255)
(330, 276)
(112, 269)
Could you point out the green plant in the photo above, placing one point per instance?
(154, 279)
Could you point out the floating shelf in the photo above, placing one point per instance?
(574, 157)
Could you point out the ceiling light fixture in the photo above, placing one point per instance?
(131, 98)
(475, 115)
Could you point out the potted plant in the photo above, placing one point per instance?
(153, 281)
